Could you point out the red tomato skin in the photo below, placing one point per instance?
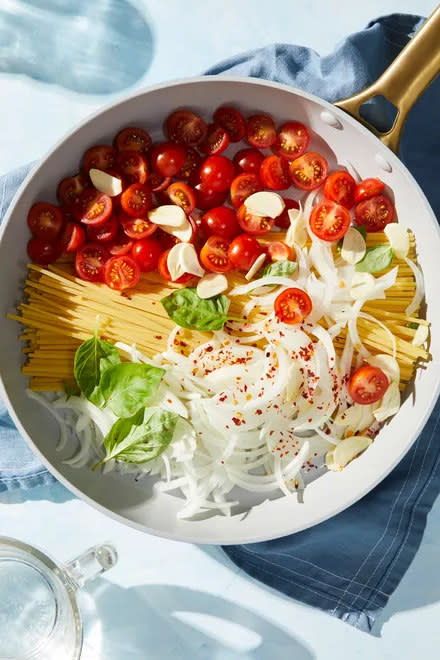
(120, 244)
(132, 138)
(367, 384)
(292, 306)
(274, 173)
(101, 157)
(253, 224)
(207, 199)
(242, 186)
(167, 158)
(368, 188)
(375, 213)
(261, 132)
(136, 200)
(136, 228)
(162, 267)
(146, 253)
(182, 195)
(279, 251)
(232, 121)
(220, 221)
(72, 237)
(45, 220)
(133, 166)
(340, 187)
(216, 141)
(248, 160)
(90, 260)
(43, 251)
(243, 251)
(70, 188)
(92, 207)
(292, 140)
(318, 221)
(216, 173)
(192, 161)
(310, 161)
(214, 255)
(283, 220)
(121, 273)
(105, 232)
(186, 127)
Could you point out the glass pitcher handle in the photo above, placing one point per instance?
(90, 564)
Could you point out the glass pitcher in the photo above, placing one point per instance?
(39, 614)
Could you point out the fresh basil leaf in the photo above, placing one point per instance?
(376, 259)
(140, 438)
(92, 359)
(70, 390)
(188, 310)
(279, 269)
(413, 326)
(360, 228)
(126, 387)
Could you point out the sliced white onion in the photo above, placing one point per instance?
(390, 403)
(363, 285)
(353, 246)
(105, 183)
(345, 451)
(169, 215)
(421, 335)
(398, 237)
(420, 288)
(387, 364)
(265, 204)
(211, 284)
(244, 289)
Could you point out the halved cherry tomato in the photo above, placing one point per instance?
(157, 182)
(90, 261)
(136, 227)
(340, 187)
(367, 384)
(283, 220)
(71, 188)
(244, 185)
(214, 255)
(146, 253)
(93, 208)
(167, 158)
(292, 306)
(43, 251)
(133, 138)
(253, 224)
(216, 141)
(220, 221)
(120, 244)
(72, 237)
(292, 140)
(102, 157)
(136, 200)
(374, 213)
(274, 173)
(45, 220)
(162, 267)
(186, 127)
(248, 160)
(261, 131)
(192, 161)
(182, 195)
(308, 171)
(232, 121)
(207, 199)
(329, 221)
(279, 251)
(167, 241)
(133, 166)
(216, 173)
(243, 251)
(121, 273)
(368, 188)
(105, 232)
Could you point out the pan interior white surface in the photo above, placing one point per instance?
(341, 140)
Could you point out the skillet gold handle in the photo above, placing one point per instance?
(403, 82)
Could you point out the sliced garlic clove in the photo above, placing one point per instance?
(183, 233)
(211, 285)
(349, 417)
(265, 204)
(390, 403)
(388, 364)
(253, 270)
(345, 451)
(363, 285)
(182, 258)
(353, 246)
(168, 215)
(297, 232)
(421, 335)
(105, 183)
(398, 237)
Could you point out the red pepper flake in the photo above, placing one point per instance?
(169, 401)
(153, 302)
(222, 462)
(271, 432)
(223, 398)
(236, 421)
(209, 349)
(258, 412)
(158, 337)
(309, 420)
(327, 431)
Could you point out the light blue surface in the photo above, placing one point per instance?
(199, 49)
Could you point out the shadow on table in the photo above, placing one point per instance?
(91, 47)
(161, 621)
(54, 492)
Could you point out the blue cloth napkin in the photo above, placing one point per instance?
(350, 564)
